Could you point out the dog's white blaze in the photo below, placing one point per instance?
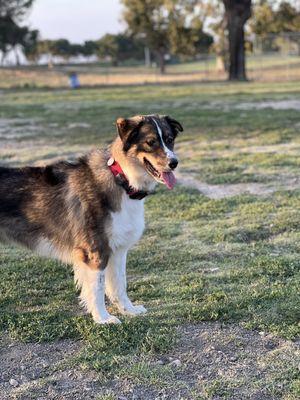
(170, 154)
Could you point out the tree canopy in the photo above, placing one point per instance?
(16, 9)
(166, 26)
(120, 47)
(12, 34)
(270, 19)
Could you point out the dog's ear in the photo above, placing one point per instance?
(175, 125)
(128, 129)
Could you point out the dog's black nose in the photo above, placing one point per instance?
(173, 163)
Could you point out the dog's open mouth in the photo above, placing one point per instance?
(167, 178)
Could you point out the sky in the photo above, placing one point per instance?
(76, 20)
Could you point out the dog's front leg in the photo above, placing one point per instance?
(92, 284)
(116, 286)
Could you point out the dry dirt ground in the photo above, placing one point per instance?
(229, 190)
(205, 353)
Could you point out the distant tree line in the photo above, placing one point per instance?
(173, 36)
(116, 48)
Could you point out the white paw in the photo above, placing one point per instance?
(110, 319)
(134, 310)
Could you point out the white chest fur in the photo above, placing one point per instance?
(126, 225)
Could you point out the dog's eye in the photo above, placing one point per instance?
(151, 142)
(169, 140)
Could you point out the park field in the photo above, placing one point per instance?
(264, 68)
(218, 267)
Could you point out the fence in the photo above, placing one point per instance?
(276, 57)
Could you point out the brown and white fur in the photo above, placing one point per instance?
(78, 212)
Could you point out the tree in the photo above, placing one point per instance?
(89, 48)
(45, 48)
(11, 33)
(61, 48)
(149, 20)
(16, 9)
(7, 27)
(186, 28)
(120, 47)
(237, 12)
(287, 18)
(263, 21)
(12, 36)
(108, 47)
(129, 47)
(269, 21)
(76, 49)
(167, 26)
(18, 38)
(31, 46)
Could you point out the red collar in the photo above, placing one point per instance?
(122, 180)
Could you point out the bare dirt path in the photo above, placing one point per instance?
(210, 360)
(38, 371)
(229, 190)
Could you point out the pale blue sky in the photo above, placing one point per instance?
(76, 20)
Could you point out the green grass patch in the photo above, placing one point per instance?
(233, 259)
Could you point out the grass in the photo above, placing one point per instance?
(260, 67)
(233, 260)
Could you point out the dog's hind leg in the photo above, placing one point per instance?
(116, 286)
(91, 283)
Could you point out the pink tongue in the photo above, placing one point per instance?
(169, 179)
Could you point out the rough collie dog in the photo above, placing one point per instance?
(89, 213)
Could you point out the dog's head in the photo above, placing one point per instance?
(150, 139)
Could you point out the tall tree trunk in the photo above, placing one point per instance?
(237, 69)
(237, 12)
(17, 57)
(147, 57)
(3, 57)
(161, 62)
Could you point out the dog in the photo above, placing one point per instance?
(90, 212)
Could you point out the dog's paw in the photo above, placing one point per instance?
(135, 310)
(110, 319)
